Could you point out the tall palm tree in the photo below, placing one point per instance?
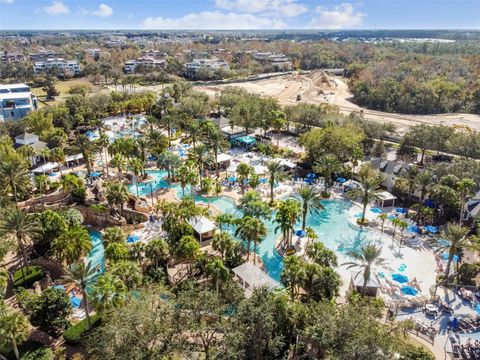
(275, 173)
(217, 271)
(225, 219)
(187, 175)
(327, 165)
(72, 245)
(383, 217)
(293, 274)
(199, 156)
(243, 171)
(288, 213)
(277, 121)
(79, 274)
(87, 148)
(116, 194)
(368, 257)
(57, 155)
(310, 201)
(14, 329)
(368, 191)
(142, 152)
(158, 251)
(16, 174)
(194, 131)
(215, 141)
(158, 142)
(223, 243)
(136, 167)
(251, 230)
(21, 226)
(108, 291)
(170, 162)
(409, 176)
(423, 183)
(465, 189)
(118, 162)
(457, 239)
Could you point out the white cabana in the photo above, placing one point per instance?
(260, 169)
(203, 226)
(75, 157)
(221, 158)
(285, 163)
(46, 167)
(232, 168)
(386, 199)
(251, 277)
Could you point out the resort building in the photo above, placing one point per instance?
(93, 53)
(213, 64)
(278, 61)
(43, 55)
(391, 171)
(71, 67)
(155, 54)
(7, 57)
(28, 139)
(16, 101)
(148, 62)
(251, 277)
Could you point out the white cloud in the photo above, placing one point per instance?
(285, 8)
(338, 17)
(56, 8)
(215, 20)
(6, 1)
(103, 11)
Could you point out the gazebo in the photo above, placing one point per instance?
(246, 141)
(356, 283)
(251, 277)
(203, 227)
(386, 199)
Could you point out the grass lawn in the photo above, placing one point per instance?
(412, 341)
(32, 274)
(63, 86)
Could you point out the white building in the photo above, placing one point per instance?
(34, 142)
(16, 101)
(64, 66)
(131, 65)
(93, 53)
(279, 61)
(211, 64)
(251, 277)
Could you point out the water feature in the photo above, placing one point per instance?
(330, 224)
(97, 254)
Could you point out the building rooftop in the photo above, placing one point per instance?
(16, 95)
(254, 276)
(26, 136)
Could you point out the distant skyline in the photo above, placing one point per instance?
(238, 14)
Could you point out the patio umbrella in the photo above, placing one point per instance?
(311, 175)
(445, 257)
(263, 181)
(300, 232)
(133, 238)
(401, 210)
(341, 180)
(391, 217)
(308, 181)
(95, 174)
(376, 210)
(408, 290)
(432, 229)
(232, 179)
(75, 301)
(59, 286)
(400, 278)
(413, 229)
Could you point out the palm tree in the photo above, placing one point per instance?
(72, 245)
(169, 161)
(108, 291)
(118, 161)
(217, 271)
(22, 226)
(327, 165)
(278, 121)
(286, 217)
(79, 274)
(215, 141)
(142, 148)
(187, 174)
(57, 155)
(293, 274)
(14, 329)
(243, 171)
(136, 252)
(409, 176)
(136, 167)
(199, 155)
(128, 271)
(465, 189)
(251, 230)
(321, 255)
(311, 202)
(403, 225)
(368, 191)
(158, 251)
(158, 142)
(116, 194)
(457, 238)
(383, 217)
(423, 183)
(87, 148)
(311, 235)
(194, 131)
(368, 256)
(225, 219)
(16, 174)
(275, 173)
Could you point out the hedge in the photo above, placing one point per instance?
(32, 274)
(44, 353)
(74, 334)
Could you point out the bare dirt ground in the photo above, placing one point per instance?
(320, 88)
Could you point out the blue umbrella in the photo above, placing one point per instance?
(391, 217)
(400, 278)
(413, 229)
(408, 290)
(75, 301)
(432, 229)
(308, 181)
(376, 210)
(59, 286)
(133, 238)
(263, 180)
(152, 158)
(477, 308)
(300, 232)
(341, 180)
(445, 257)
(401, 210)
(232, 179)
(95, 174)
(311, 175)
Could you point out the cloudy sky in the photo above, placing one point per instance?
(239, 14)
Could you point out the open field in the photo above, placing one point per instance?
(320, 88)
(63, 87)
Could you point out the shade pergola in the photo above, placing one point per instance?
(203, 226)
(221, 158)
(386, 199)
(251, 277)
(46, 167)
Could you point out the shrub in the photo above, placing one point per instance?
(73, 335)
(79, 194)
(54, 185)
(79, 89)
(98, 208)
(43, 353)
(32, 274)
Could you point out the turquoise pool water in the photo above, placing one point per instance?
(331, 224)
(97, 254)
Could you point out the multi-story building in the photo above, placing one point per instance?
(93, 53)
(211, 64)
(155, 54)
(7, 57)
(71, 67)
(131, 65)
(16, 101)
(279, 61)
(43, 55)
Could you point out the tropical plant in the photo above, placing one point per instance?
(409, 176)
(79, 274)
(170, 162)
(217, 271)
(288, 213)
(244, 171)
(251, 230)
(293, 274)
(310, 201)
(225, 219)
(187, 175)
(116, 195)
(327, 165)
(223, 243)
(275, 174)
(14, 329)
(118, 162)
(136, 167)
(116, 252)
(158, 251)
(383, 217)
(216, 141)
(113, 235)
(107, 292)
(87, 148)
(424, 182)
(16, 175)
(368, 257)
(321, 255)
(128, 271)
(368, 191)
(465, 189)
(188, 249)
(72, 245)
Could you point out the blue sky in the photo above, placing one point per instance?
(239, 14)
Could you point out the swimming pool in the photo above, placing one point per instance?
(330, 224)
(97, 254)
